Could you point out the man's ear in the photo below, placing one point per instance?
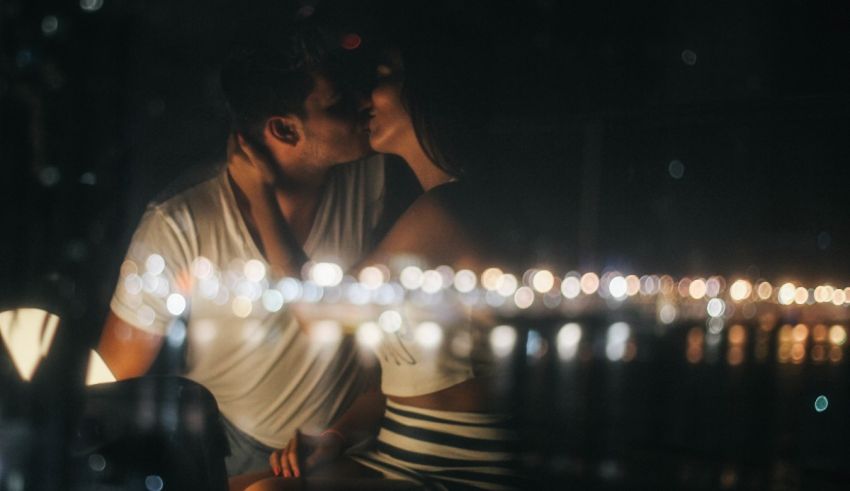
(286, 129)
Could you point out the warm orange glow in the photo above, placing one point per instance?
(737, 334)
(765, 290)
(800, 333)
(740, 290)
(697, 289)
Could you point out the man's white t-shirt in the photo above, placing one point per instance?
(192, 258)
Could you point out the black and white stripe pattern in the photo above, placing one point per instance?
(445, 450)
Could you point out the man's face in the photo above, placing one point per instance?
(334, 130)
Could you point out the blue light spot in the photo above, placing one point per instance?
(821, 403)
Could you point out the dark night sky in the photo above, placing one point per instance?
(102, 109)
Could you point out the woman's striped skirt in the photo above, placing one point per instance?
(445, 450)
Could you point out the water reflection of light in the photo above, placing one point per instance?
(368, 335)
(589, 283)
(428, 334)
(694, 350)
(667, 313)
(543, 281)
(617, 337)
(502, 340)
(837, 335)
(716, 307)
(568, 339)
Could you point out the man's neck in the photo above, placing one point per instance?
(298, 194)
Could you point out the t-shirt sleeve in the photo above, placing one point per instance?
(153, 286)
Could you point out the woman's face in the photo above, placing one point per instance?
(390, 126)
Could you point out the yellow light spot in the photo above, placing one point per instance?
(632, 285)
(242, 306)
(491, 278)
(801, 295)
(820, 333)
(543, 281)
(697, 288)
(837, 335)
(740, 290)
(798, 353)
(765, 290)
(371, 277)
(589, 283)
(838, 297)
(737, 334)
(800, 333)
(787, 293)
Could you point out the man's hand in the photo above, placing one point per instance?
(309, 450)
(251, 172)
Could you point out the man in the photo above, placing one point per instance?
(197, 255)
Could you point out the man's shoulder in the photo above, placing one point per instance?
(195, 191)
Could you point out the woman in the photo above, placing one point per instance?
(436, 428)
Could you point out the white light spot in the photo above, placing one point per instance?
(242, 306)
(618, 287)
(369, 335)
(589, 283)
(786, 293)
(428, 334)
(411, 277)
(676, 169)
(618, 335)
(203, 331)
(311, 292)
(155, 264)
(465, 281)
(667, 313)
(371, 277)
(491, 278)
(462, 344)
(176, 304)
(254, 270)
(502, 340)
(326, 332)
(176, 333)
(568, 340)
(571, 287)
(152, 483)
(697, 289)
(524, 297)
(272, 300)
(202, 268)
(92, 6)
(49, 25)
(543, 281)
(96, 462)
(716, 307)
(133, 284)
(432, 281)
(249, 289)
(390, 321)
(326, 274)
(740, 290)
(209, 287)
(507, 285)
(290, 288)
(146, 316)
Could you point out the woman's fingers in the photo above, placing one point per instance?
(274, 461)
(292, 455)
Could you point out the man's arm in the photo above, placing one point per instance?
(127, 350)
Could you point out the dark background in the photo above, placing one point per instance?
(102, 109)
(110, 104)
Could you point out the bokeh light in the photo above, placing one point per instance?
(502, 340)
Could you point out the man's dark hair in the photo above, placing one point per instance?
(272, 72)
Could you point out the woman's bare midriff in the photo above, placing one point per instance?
(469, 396)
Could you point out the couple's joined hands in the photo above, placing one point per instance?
(305, 452)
